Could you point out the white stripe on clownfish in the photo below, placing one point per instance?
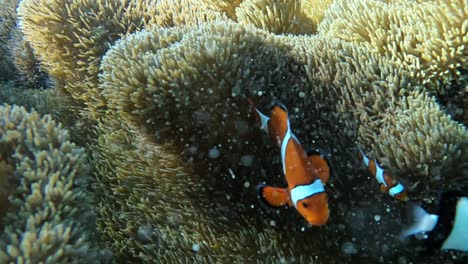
(264, 126)
(396, 189)
(303, 191)
(379, 172)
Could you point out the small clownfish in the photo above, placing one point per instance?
(387, 183)
(305, 174)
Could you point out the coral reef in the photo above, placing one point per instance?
(7, 25)
(171, 13)
(315, 10)
(158, 79)
(25, 61)
(70, 37)
(429, 39)
(49, 217)
(177, 151)
(203, 74)
(226, 6)
(18, 60)
(277, 16)
(372, 95)
(52, 102)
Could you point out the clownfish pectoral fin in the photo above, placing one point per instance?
(320, 165)
(274, 197)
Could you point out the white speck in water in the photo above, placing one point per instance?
(144, 233)
(232, 173)
(247, 160)
(402, 260)
(195, 247)
(348, 248)
(377, 218)
(301, 94)
(192, 150)
(246, 184)
(272, 223)
(213, 153)
(421, 236)
(302, 229)
(260, 93)
(388, 210)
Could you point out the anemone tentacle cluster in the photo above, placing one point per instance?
(46, 209)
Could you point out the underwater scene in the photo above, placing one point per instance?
(234, 131)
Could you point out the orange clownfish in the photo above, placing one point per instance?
(305, 174)
(387, 183)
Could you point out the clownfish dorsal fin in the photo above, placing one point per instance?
(260, 116)
(274, 197)
(280, 105)
(320, 165)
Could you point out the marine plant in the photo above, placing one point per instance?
(7, 25)
(48, 217)
(342, 93)
(277, 16)
(391, 114)
(72, 56)
(170, 13)
(427, 38)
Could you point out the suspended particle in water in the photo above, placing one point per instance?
(349, 248)
(246, 184)
(213, 153)
(247, 160)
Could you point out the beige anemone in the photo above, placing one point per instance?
(70, 37)
(49, 218)
(429, 39)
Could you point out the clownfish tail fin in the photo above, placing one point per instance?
(420, 221)
(262, 117)
(272, 196)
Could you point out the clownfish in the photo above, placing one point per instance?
(305, 174)
(447, 229)
(387, 183)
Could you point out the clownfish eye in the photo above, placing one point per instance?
(305, 205)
